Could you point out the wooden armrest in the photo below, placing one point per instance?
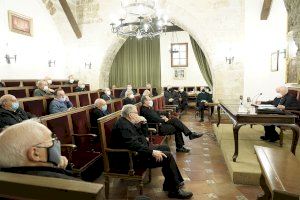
(85, 135)
(153, 130)
(292, 111)
(68, 146)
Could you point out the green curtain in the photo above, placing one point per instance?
(202, 62)
(138, 63)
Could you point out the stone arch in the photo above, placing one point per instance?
(179, 17)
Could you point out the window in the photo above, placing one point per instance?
(179, 54)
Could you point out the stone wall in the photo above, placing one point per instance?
(293, 9)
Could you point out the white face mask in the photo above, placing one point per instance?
(46, 88)
(71, 80)
(108, 93)
(131, 96)
(63, 98)
(82, 86)
(151, 103)
(49, 82)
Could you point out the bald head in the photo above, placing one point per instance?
(17, 141)
(146, 93)
(7, 100)
(283, 90)
(99, 103)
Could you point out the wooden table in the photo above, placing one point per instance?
(239, 119)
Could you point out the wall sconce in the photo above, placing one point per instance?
(88, 65)
(51, 63)
(9, 58)
(229, 60)
(283, 52)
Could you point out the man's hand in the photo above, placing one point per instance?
(50, 90)
(158, 155)
(63, 162)
(281, 107)
(171, 100)
(165, 118)
(67, 98)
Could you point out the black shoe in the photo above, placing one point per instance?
(264, 138)
(180, 194)
(183, 150)
(166, 187)
(274, 139)
(201, 120)
(195, 135)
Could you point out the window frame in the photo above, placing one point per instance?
(186, 54)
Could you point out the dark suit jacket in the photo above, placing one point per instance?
(274, 102)
(151, 115)
(184, 96)
(79, 89)
(126, 135)
(41, 171)
(128, 101)
(8, 118)
(171, 94)
(96, 114)
(154, 92)
(106, 97)
(122, 95)
(289, 101)
(203, 96)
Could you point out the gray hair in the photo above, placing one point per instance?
(128, 92)
(127, 109)
(144, 98)
(16, 140)
(6, 98)
(97, 101)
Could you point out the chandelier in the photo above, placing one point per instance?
(143, 20)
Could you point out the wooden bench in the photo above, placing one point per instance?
(20, 186)
(30, 82)
(280, 179)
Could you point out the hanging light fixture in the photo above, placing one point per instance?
(142, 20)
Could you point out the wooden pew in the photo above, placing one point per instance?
(29, 82)
(21, 186)
(280, 179)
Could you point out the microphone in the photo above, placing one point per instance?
(256, 97)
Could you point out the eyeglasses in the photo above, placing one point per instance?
(52, 140)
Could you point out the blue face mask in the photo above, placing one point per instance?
(15, 105)
(104, 108)
(54, 153)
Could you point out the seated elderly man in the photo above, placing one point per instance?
(282, 101)
(10, 112)
(80, 87)
(168, 126)
(48, 80)
(147, 93)
(60, 103)
(107, 95)
(203, 98)
(28, 148)
(183, 99)
(71, 80)
(129, 98)
(128, 88)
(127, 134)
(43, 89)
(99, 111)
(171, 96)
(149, 87)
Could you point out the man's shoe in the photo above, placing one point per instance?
(183, 150)
(166, 188)
(264, 138)
(180, 194)
(195, 135)
(201, 120)
(274, 139)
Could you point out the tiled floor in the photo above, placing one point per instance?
(203, 169)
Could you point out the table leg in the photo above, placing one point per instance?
(267, 194)
(219, 115)
(295, 129)
(236, 129)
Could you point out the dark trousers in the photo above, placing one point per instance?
(202, 107)
(176, 127)
(270, 132)
(169, 167)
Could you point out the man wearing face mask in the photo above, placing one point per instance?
(60, 103)
(282, 101)
(183, 99)
(128, 88)
(167, 126)
(10, 112)
(171, 96)
(48, 80)
(71, 80)
(80, 87)
(129, 98)
(126, 135)
(28, 148)
(203, 98)
(43, 89)
(149, 87)
(107, 95)
(99, 111)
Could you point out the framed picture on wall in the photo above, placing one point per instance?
(19, 23)
(274, 61)
(179, 74)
